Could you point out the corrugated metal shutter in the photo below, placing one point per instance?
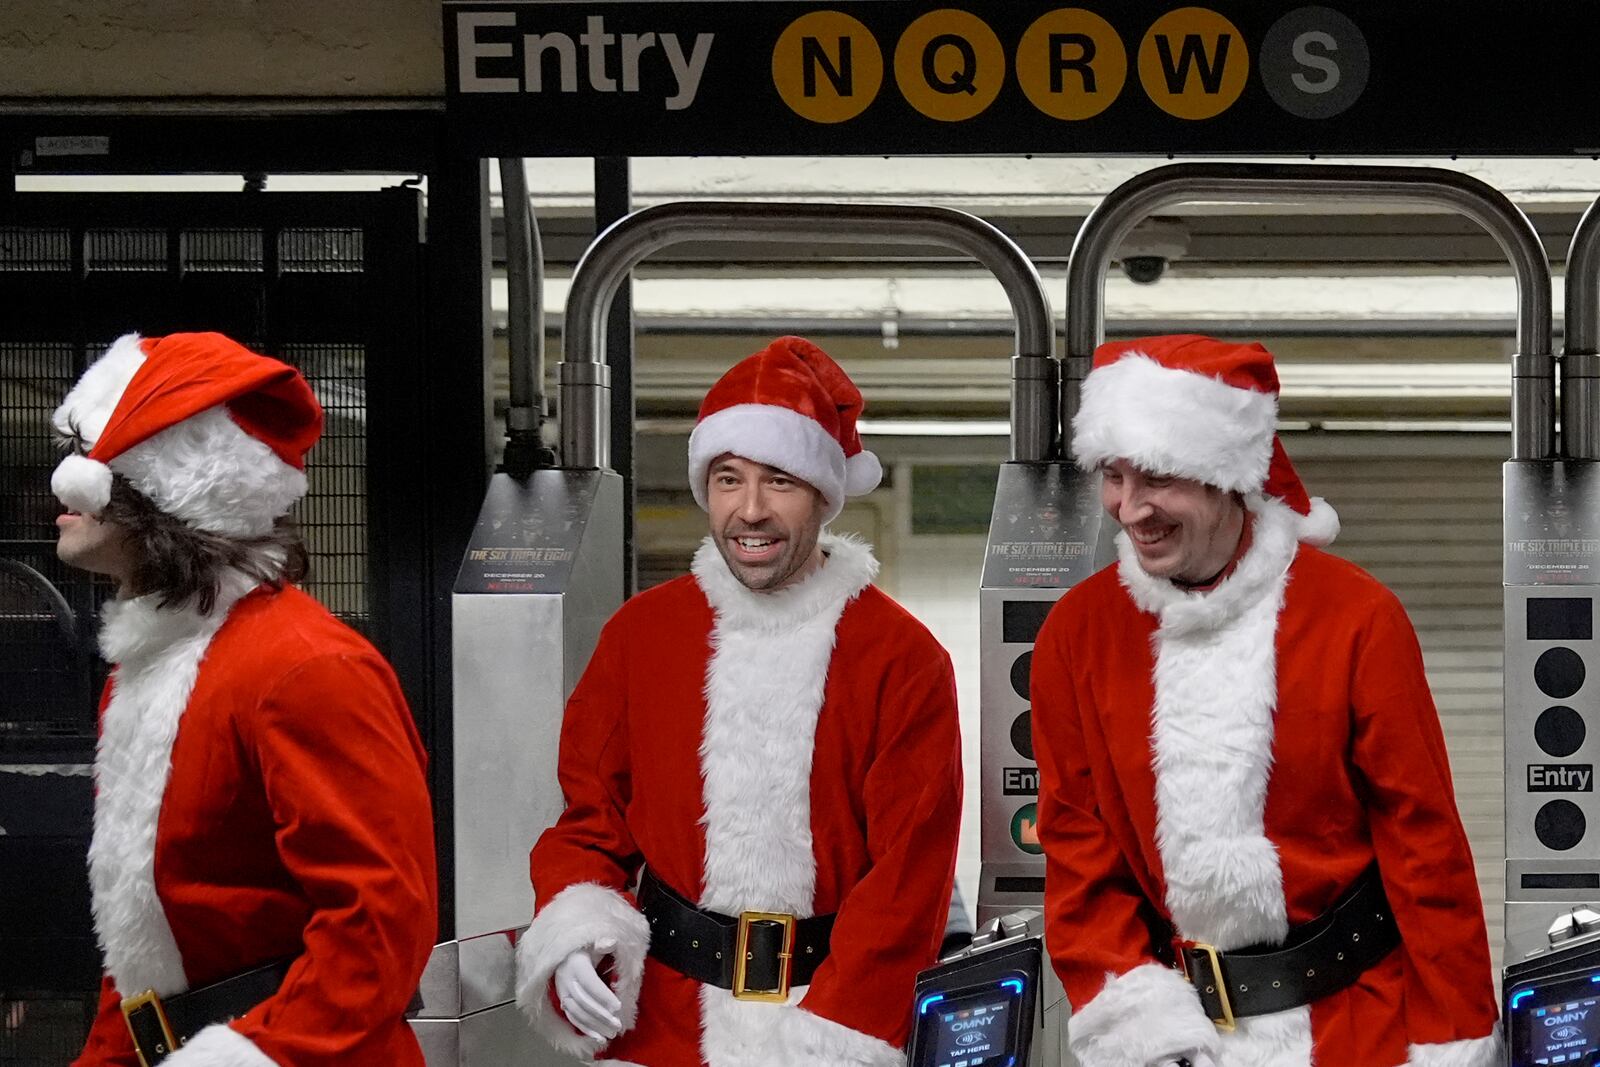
(1429, 528)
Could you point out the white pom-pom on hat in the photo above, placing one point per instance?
(82, 484)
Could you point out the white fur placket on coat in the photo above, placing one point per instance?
(764, 692)
(157, 654)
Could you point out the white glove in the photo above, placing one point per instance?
(586, 1000)
(1192, 1059)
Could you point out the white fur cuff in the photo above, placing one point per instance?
(220, 1046)
(578, 918)
(1472, 1052)
(1148, 1015)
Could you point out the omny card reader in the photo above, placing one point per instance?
(1552, 998)
(980, 1008)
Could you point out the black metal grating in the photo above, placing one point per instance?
(221, 250)
(321, 251)
(35, 249)
(44, 1031)
(125, 250)
(333, 516)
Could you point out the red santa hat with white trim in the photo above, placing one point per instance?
(1195, 407)
(789, 406)
(209, 431)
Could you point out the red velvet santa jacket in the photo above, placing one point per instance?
(1229, 763)
(260, 796)
(792, 752)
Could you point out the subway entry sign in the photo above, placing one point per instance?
(530, 77)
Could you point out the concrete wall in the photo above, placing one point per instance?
(220, 48)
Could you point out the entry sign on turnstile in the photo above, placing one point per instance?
(1045, 536)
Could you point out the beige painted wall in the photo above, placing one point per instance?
(226, 48)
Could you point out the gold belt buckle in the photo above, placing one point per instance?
(741, 962)
(1219, 982)
(148, 999)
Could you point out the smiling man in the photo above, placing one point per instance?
(762, 768)
(1253, 853)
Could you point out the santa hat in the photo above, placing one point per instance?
(207, 430)
(1198, 408)
(792, 407)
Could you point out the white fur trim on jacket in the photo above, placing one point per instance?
(1149, 1015)
(220, 1046)
(764, 691)
(575, 920)
(783, 438)
(1176, 422)
(157, 652)
(1215, 699)
(205, 470)
(1473, 1052)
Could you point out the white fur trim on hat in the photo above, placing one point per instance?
(220, 1046)
(82, 484)
(1175, 422)
(777, 436)
(576, 920)
(213, 475)
(89, 404)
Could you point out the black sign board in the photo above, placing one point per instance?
(1471, 77)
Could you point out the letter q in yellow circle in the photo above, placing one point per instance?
(1193, 63)
(949, 65)
(1071, 63)
(827, 66)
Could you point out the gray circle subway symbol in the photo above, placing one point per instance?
(1559, 731)
(1559, 825)
(1558, 672)
(1314, 63)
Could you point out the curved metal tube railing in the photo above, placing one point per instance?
(1533, 386)
(585, 379)
(1580, 363)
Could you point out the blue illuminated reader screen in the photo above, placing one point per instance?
(974, 1034)
(1559, 1032)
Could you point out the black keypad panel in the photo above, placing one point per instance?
(1559, 672)
(1559, 825)
(1559, 730)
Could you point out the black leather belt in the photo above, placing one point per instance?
(161, 1025)
(1317, 959)
(758, 955)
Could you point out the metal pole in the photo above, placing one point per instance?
(616, 251)
(613, 199)
(524, 319)
(1580, 365)
(1533, 382)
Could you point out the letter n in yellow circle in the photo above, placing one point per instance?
(827, 66)
(1071, 63)
(1193, 63)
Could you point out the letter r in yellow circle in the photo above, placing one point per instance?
(1071, 63)
(827, 66)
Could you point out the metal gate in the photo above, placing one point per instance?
(331, 283)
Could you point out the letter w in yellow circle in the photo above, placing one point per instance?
(1193, 63)
(827, 66)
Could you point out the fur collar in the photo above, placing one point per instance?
(1272, 550)
(849, 568)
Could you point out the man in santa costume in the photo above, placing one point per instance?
(262, 861)
(1244, 789)
(775, 743)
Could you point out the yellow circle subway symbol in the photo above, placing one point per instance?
(1193, 63)
(949, 65)
(1071, 64)
(827, 66)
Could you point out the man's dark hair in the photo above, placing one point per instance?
(180, 563)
